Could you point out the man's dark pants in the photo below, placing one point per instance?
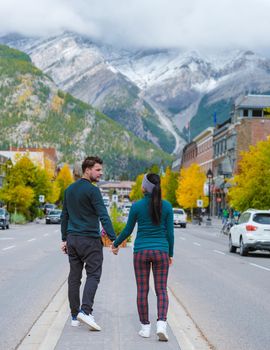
(89, 251)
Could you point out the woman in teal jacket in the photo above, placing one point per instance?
(153, 247)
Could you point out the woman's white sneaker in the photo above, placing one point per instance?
(162, 331)
(145, 330)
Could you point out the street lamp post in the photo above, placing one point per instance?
(209, 176)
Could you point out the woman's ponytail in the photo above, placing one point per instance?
(155, 204)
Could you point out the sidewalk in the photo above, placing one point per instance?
(115, 311)
(215, 223)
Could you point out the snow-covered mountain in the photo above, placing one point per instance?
(149, 91)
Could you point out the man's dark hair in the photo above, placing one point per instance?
(89, 162)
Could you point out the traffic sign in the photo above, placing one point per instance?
(199, 203)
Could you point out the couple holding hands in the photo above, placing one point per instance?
(83, 208)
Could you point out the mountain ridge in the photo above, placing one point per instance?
(182, 85)
(34, 112)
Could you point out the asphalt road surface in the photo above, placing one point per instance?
(226, 295)
(32, 269)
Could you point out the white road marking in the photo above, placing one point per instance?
(197, 244)
(31, 240)
(9, 247)
(6, 238)
(219, 252)
(57, 230)
(183, 239)
(46, 234)
(259, 266)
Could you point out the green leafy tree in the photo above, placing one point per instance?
(34, 180)
(64, 179)
(136, 190)
(154, 169)
(19, 198)
(169, 185)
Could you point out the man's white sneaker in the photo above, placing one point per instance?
(162, 331)
(89, 321)
(145, 330)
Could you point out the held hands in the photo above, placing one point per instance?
(64, 247)
(114, 250)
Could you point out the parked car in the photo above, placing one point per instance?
(48, 207)
(252, 232)
(179, 217)
(4, 219)
(54, 217)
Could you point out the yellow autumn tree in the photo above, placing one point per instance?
(54, 195)
(164, 181)
(19, 198)
(136, 190)
(190, 187)
(49, 168)
(251, 186)
(64, 179)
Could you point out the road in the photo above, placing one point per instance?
(32, 269)
(226, 295)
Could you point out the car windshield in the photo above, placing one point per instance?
(262, 218)
(179, 211)
(49, 206)
(55, 212)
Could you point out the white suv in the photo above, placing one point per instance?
(179, 217)
(251, 233)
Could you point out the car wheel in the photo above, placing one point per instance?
(184, 225)
(232, 248)
(47, 222)
(7, 227)
(243, 249)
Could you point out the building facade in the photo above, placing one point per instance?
(220, 148)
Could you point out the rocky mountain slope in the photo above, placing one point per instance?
(79, 67)
(34, 112)
(132, 85)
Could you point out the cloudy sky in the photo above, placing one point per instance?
(193, 24)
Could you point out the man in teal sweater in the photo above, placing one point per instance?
(83, 208)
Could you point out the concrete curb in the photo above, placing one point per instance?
(187, 334)
(48, 328)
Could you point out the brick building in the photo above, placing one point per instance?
(204, 142)
(221, 147)
(189, 154)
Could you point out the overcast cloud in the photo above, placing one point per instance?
(194, 24)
